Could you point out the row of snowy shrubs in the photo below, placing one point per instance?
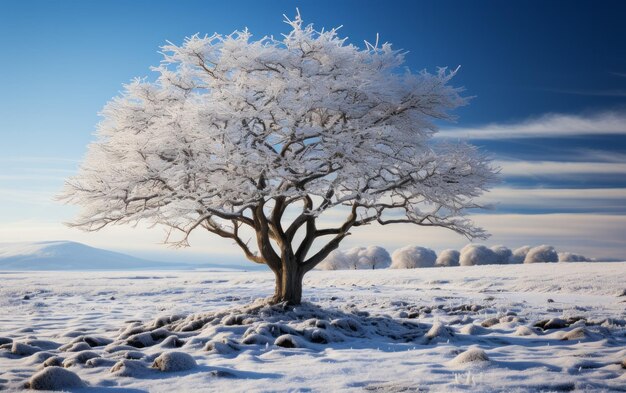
(411, 257)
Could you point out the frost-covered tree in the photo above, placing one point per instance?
(259, 138)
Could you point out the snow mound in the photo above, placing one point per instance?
(472, 355)
(411, 257)
(55, 378)
(174, 361)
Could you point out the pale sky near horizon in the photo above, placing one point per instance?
(548, 80)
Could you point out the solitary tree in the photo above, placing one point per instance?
(258, 139)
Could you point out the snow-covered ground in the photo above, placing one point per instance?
(438, 329)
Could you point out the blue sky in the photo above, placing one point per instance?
(549, 80)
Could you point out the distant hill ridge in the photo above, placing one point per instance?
(67, 255)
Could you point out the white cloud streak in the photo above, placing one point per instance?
(550, 125)
(582, 200)
(537, 168)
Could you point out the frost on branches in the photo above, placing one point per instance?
(258, 139)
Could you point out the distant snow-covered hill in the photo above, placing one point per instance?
(66, 255)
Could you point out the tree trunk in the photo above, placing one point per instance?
(288, 285)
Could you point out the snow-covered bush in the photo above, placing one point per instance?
(448, 258)
(411, 257)
(372, 257)
(519, 254)
(336, 260)
(571, 257)
(502, 253)
(477, 254)
(543, 253)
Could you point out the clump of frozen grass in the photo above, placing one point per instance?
(579, 333)
(411, 257)
(23, 349)
(79, 358)
(439, 331)
(472, 355)
(55, 378)
(174, 361)
(473, 330)
(524, 331)
(543, 253)
(448, 258)
(128, 368)
(306, 325)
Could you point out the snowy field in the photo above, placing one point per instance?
(441, 329)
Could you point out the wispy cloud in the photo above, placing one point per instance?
(39, 159)
(528, 194)
(22, 196)
(588, 200)
(547, 126)
(537, 168)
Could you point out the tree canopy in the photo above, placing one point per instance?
(233, 133)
